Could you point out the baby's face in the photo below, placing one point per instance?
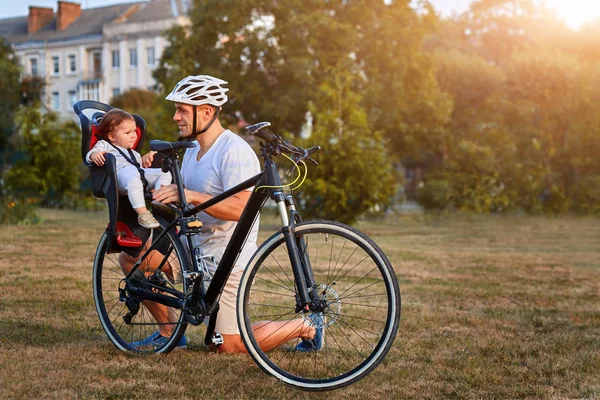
(124, 134)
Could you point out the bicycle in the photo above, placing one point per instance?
(306, 268)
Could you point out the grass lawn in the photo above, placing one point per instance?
(492, 307)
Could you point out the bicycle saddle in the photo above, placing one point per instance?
(160, 145)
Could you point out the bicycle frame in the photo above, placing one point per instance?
(269, 178)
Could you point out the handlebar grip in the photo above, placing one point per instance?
(267, 136)
(264, 135)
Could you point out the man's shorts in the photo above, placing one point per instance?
(227, 317)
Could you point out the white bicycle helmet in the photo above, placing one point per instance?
(198, 90)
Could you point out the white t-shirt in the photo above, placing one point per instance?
(228, 162)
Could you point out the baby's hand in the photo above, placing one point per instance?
(98, 157)
(148, 159)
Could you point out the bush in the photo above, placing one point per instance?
(434, 193)
(587, 196)
(50, 169)
(19, 211)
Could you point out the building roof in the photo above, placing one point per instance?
(160, 9)
(91, 20)
(13, 27)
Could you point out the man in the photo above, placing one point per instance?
(219, 161)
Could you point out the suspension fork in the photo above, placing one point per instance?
(296, 247)
(285, 205)
(295, 218)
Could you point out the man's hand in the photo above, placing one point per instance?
(97, 157)
(167, 194)
(148, 159)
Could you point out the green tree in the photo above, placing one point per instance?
(549, 93)
(51, 169)
(478, 165)
(278, 57)
(355, 174)
(9, 93)
(402, 95)
(523, 130)
(275, 56)
(498, 28)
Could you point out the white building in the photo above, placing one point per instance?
(95, 53)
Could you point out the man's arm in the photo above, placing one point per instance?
(229, 209)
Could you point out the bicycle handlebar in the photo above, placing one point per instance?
(276, 145)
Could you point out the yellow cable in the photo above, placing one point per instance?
(288, 185)
(305, 174)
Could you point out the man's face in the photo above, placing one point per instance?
(184, 114)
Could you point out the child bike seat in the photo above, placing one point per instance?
(124, 232)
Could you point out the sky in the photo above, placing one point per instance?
(573, 12)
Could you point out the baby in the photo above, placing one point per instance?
(117, 134)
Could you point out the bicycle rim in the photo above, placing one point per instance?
(355, 280)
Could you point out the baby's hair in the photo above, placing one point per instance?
(110, 121)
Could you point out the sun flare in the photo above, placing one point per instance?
(575, 13)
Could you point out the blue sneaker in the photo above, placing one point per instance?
(156, 340)
(316, 343)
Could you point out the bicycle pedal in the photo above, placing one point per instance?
(191, 275)
(217, 339)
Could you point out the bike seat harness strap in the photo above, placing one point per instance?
(131, 159)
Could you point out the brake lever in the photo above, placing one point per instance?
(287, 145)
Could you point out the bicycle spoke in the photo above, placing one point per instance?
(279, 279)
(279, 294)
(275, 320)
(365, 295)
(359, 281)
(291, 281)
(274, 284)
(354, 329)
(329, 278)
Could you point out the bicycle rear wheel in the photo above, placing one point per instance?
(360, 317)
(140, 330)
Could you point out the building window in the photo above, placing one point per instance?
(33, 68)
(55, 101)
(55, 65)
(72, 98)
(72, 63)
(116, 59)
(151, 59)
(116, 92)
(133, 57)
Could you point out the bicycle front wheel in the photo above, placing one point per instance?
(130, 323)
(360, 302)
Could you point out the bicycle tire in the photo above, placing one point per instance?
(111, 306)
(362, 315)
